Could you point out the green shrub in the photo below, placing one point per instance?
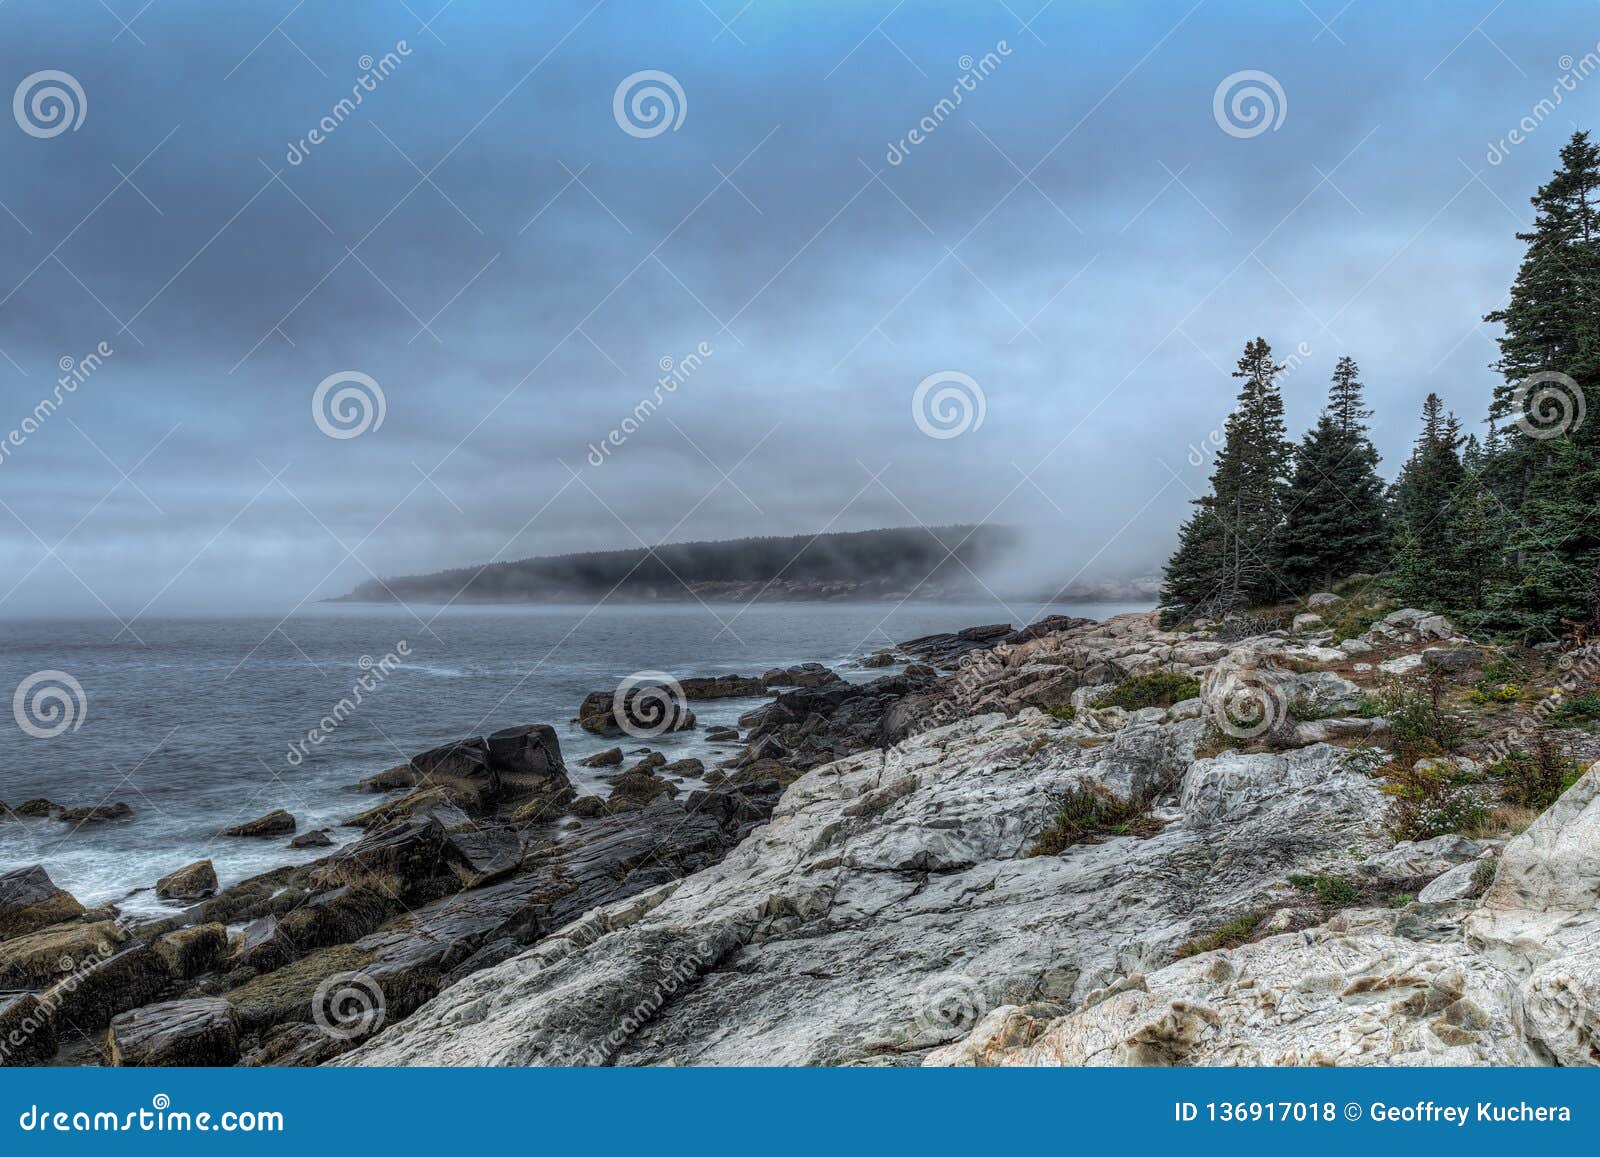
(1085, 814)
(1235, 932)
(1066, 714)
(1579, 709)
(1429, 801)
(1157, 689)
(1334, 891)
(1419, 722)
(1536, 779)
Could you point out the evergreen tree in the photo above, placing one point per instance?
(1423, 497)
(1227, 556)
(1547, 470)
(1336, 523)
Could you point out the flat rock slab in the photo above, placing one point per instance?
(203, 1031)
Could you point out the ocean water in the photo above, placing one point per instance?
(194, 727)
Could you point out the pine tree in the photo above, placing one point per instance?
(1336, 523)
(1425, 557)
(1547, 471)
(1227, 557)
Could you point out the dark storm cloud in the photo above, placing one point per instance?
(515, 307)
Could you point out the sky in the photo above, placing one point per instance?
(305, 357)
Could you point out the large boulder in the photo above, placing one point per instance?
(274, 823)
(188, 1033)
(195, 882)
(800, 675)
(463, 769)
(527, 758)
(192, 951)
(642, 711)
(86, 999)
(722, 687)
(407, 859)
(37, 960)
(30, 900)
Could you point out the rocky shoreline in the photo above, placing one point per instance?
(979, 859)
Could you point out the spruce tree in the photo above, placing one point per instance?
(1547, 470)
(1227, 557)
(1336, 523)
(1426, 562)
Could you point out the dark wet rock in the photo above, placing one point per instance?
(30, 900)
(1049, 625)
(411, 857)
(722, 687)
(637, 788)
(878, 659)
(646, 710)
(86, 998)
(192, 951)
(198, 1032)
(195, 882)
(27, 1031)
(811, 726)
(423, 801)
(690, 768)
(316, 839)
(294, 1044)
(99, 814)
(722, 734)
(262, 946)
(274, 823)
(528, 761)
(37, 960)
(491, 851)
(461, 769)
(37, 808)
(946, 648)
(588, 806)
(394, 779)
(800, 675)
(610, 757)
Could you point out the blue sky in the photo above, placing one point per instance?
(482, 238)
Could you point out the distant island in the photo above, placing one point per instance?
(925, 563)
